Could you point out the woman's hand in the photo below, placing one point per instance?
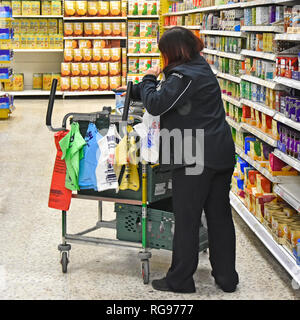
(122, 88)
(155, 71)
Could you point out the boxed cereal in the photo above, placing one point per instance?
(103, 8)
(145, 29)
(145, 45)
(87, 54)
(96, 54)
(134, 45)
(68, 55)
(97, 28)
(65, 69)
(133, 28)
(84, 83)
(70, 8)
(144, 64)
(115, 8)
(94, 69)
(65, 83)
(78, 28)
(115, 54)
(56, 8)
(85, 69)
(46, 8)
(104, 83)
(107, 28)
(133, 65)
(116, 29)
(92, 8)
(16, 8)
(75, 83)
(18, 82)
(84, 44)
(114, 68)
(114, 82)
(88, 28)
(81, 8)
(47, 81)
(94, 83)
(106, 54)
(103, 68)
(78, 56)
(75, 69)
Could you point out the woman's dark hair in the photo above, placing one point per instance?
(179, 45)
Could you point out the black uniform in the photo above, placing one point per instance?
(190, 98)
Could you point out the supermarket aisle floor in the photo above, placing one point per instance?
(30, 231)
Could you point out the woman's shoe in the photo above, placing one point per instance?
(162, 285)
(229, 288)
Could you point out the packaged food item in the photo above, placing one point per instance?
(52, 42)
(123, 29)
(16, 8)
(134, 45)
(60, 26)
(106, 54)
(65, 83)
(145, 28)
(155, 62)
(115, 54)
(78, 28)
(75, 69)
(31, 41)
(104, 83)
(47, 81)
(68, 55)
(103, 8)
(85, 44)
(154, 46)
(81, 8)
(114, 82)
(145, 45)
(133, 28)
(55, 8)
(43, 26)
(35, 8)
(75, 83)
(116, 29)
(18, 82)
(26, 8)
(133, 65)
(8, 86)
(115, 8)
(70, 8)
(99, 44)
(65, 69)
(88, 29)
(94, 69)
(71, 44)
(96, 54)
(107, 28)
(133, 8)
(92, 8)
(58, 78)
(124, 55)
(103, 68)
(77, 55)
(144, 64)
(17, 41)
(124, 69)
(94, 83)
(52, 26)
(84, 83)
(124, 8)
(114, 68)
(97, 28)
(87, 54)
(85, 69)
(123, 81)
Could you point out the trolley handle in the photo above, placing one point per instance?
(127, 101)
(50, 108)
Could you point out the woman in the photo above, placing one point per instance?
(190, 98)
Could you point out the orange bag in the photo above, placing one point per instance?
(60, 196)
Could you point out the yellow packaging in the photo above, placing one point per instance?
(96, 54)
(124, 55)
(99, 43)
(65, 69)
(46, 8)
(114, 82)
(59, 41)
(87, 54)
(116, 29)
(94, 83)
(65, 83)
(81, 8)
(115, 54)
(39, 40)
(56, 8)
(16, 25)
(115, 8)
(17, 41)
(85, 44)
(52, 42)
(43, 26)
(107, 28)
(146, 45)
(85, 69)
(92, 8)
(84, 83)
(47, 81)
(34, 26)
(104, 83)
(106, 54)
(75, 69)
(123, 29)
(26, 8)
(31, 41)
(60, 26)
(16, 8)
(52, 26)
(75, 83)
(144, 64)
(124, 8)
(145, 28)
(25, 26)
(154, 45)
(124, 69)
(94, 69)
(134, 28)
(35, 8)
(18, 82)
(103, 68)
(134, 45)
(78, 28)
(103, 7)
(114, 68)
(155, 62)
(23, 41)
(69, 8)
(37, 81)
(56, 76)
(88, 28)
(77, 55)
(124, 81)
(97, 28)
(68, 55)
(8, 86)
(45, 42)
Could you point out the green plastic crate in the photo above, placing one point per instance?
(160, 226)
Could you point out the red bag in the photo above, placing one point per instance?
(60, 196)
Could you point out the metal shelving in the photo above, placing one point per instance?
(293, 162)
(265, 83)
(288, 82)
(259, 54)
(231, 100)
(258, 106)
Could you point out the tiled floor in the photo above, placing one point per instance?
(30, 231)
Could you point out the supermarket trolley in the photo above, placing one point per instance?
(141, 200)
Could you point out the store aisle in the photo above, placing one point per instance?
(30, 231)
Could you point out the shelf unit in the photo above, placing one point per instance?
(259, 54)
(38, 17)
(288, 37)
(229, 77)
(96, 18)
(290, 192)
(231, 100)
(238, 34)
(288, 82)
(143, 54)
(290, 123)
(95, 38)
(143, 17)
(277, 29)
(258, 106)
(39, 50)
(235, 125)
(293, 162)
(260, 134)
(266, 83)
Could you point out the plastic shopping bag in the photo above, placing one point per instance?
(60, 196)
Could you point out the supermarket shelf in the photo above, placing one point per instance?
(234, 124)
(38, 50)
(278, 251)
(223, 33)
(261, 135)
(265, 83)
(187, 27)
(264, 2)
(86, 93)
(179, 13)
(95, 38)
(39, 17)
(6, 19)
(96, 18)
(259, 54)
(6, 62)
(143, 54)
(288, 82)
(231, 100)
(229, 77)
(289, 160)
(290, 192)
(210, 51)
(33, 93)
(224, 54)
(281, 118)
(278, 29)
(214, 70)
(288, 37)
(258, 106)
(143, 17)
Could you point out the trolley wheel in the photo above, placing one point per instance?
(64, 262)
(145, 271)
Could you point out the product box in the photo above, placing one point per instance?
(145, 45)
(134, 45)
(46, 8)
(133, 65)
(145, 29)
(103, 7)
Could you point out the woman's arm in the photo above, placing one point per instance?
(172, 93)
